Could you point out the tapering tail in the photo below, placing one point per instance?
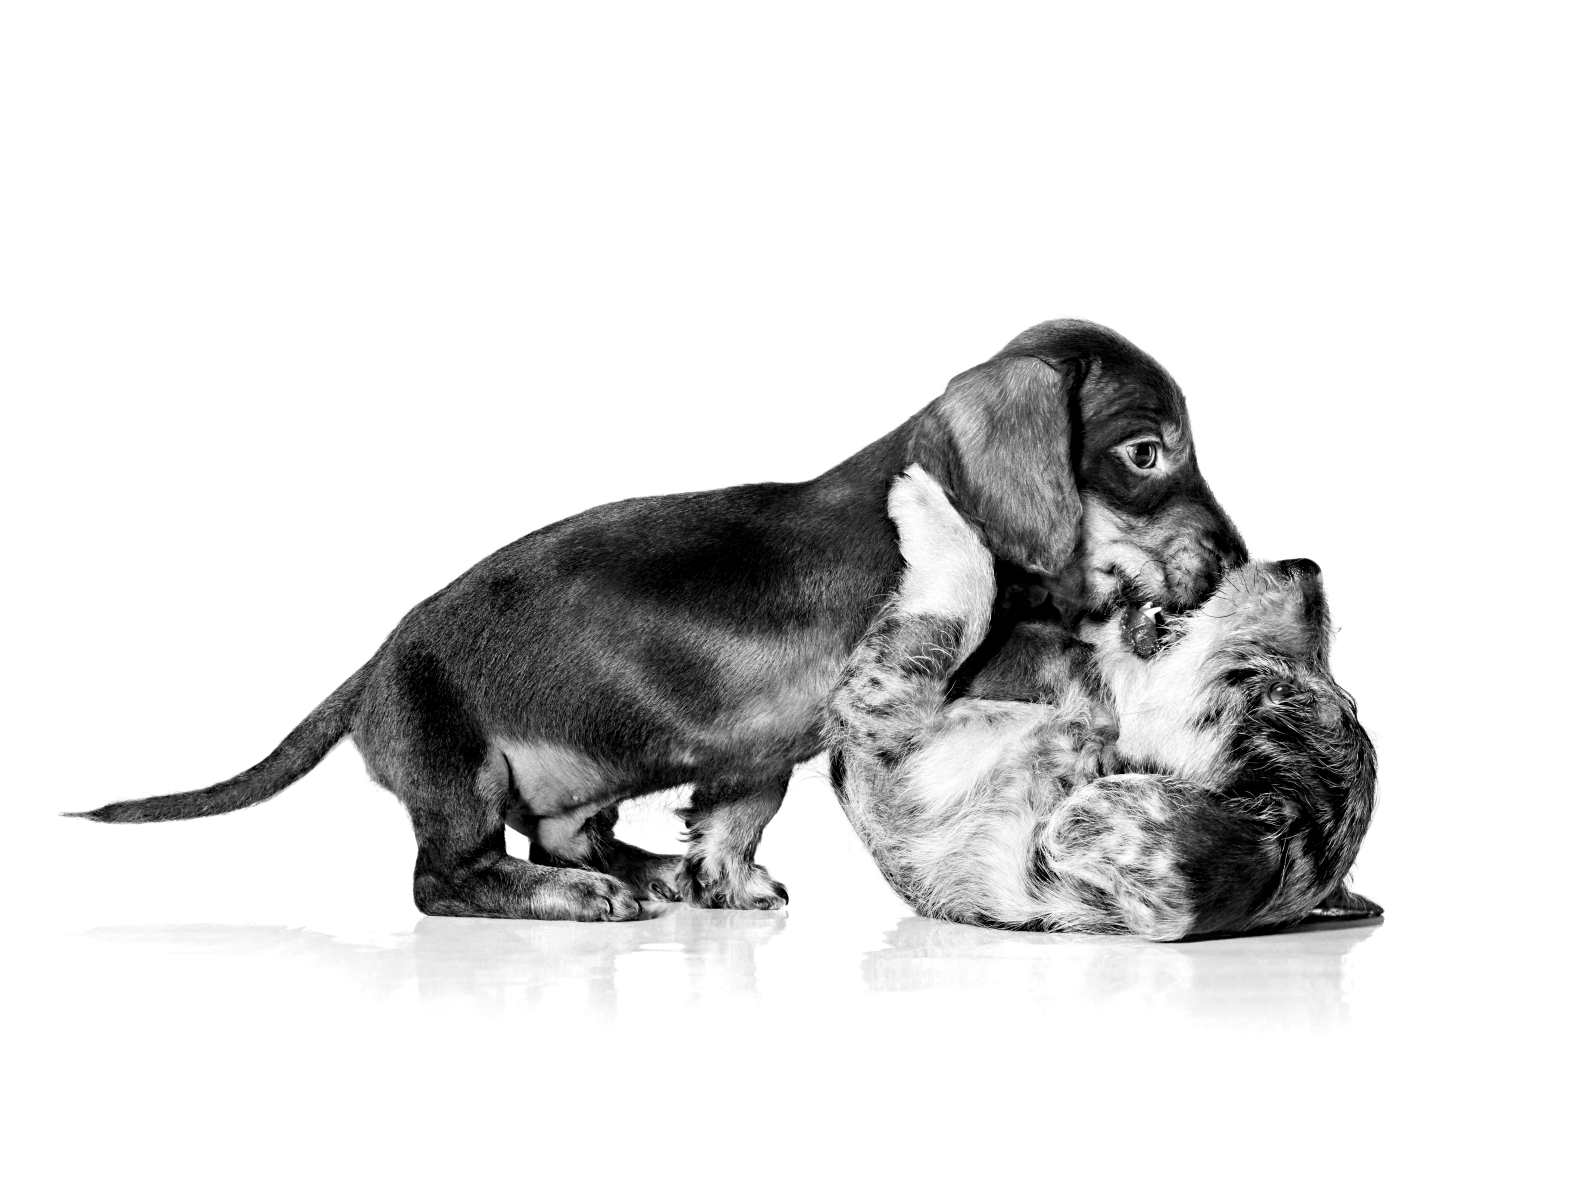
(296, 754)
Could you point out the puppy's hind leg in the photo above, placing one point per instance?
(462, 868)
(421, 740)
(570, 842)
(725, 820)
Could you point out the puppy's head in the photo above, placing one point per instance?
(1071, 451)
(1258, 779)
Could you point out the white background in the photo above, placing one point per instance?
(306, 308)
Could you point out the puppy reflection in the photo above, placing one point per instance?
(1291, 978)
(496, 965)
(1167, 776)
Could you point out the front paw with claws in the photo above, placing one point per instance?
(711, 885)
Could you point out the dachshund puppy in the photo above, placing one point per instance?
(1175, 777)
(694, 638)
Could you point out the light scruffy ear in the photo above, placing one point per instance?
(1000, 442)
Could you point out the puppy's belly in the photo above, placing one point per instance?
(982, 742)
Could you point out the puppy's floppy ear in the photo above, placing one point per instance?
(1232, 860)
(1166, 858)
(1001, 442)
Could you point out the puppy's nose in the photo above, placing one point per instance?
(1299, 567)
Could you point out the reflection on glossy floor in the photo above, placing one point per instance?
(1298, 975)
(852, 1027)
(689, 955)
(493, 964)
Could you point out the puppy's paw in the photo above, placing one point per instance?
(948, 569)
(578, 895)
(654, 878)
(709, 885)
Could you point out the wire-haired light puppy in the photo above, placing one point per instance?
(1175, 777)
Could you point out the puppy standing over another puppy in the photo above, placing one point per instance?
(694, 638)
(1210, 778)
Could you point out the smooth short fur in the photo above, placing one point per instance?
(694, 638)
(1221, 783)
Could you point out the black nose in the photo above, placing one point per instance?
(1299, 567)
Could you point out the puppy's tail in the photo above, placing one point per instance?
(297, 753)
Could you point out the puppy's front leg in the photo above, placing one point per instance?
(725, 819)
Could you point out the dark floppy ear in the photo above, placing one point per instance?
(1233, 862)
(1000, 442)
(1166, 858)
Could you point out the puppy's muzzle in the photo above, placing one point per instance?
(1222, 544)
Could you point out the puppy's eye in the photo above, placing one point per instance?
(1143, 455)
(1280, 692)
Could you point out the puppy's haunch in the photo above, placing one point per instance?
(1178, 775)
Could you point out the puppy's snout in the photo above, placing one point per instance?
(1226, 546)
(1299, 567)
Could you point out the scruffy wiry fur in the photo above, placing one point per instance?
(1223, 783)
(694, 638)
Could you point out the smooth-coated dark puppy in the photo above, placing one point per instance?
(695, 638)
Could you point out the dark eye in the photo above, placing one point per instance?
(1143, 455)
(1280, 692)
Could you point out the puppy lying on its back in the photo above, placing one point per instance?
(1200, 777)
